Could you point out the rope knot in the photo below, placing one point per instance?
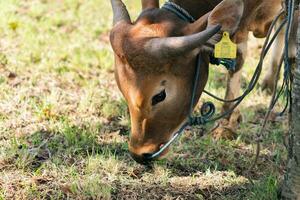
(195, 121)
(207, 111)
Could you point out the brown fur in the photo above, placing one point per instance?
(140, 76)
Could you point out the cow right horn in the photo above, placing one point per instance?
(176, 46)
(120, 12)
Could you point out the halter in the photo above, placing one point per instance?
(179, 11)
(208, 109)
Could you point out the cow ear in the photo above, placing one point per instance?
(228, 14)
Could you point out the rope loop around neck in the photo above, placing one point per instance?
(179, 11)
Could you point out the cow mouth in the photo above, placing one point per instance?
(161, 145)
(164, 147)
(165, 151)
(149, 157)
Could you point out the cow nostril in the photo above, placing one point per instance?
(142, 159)
(147, 155)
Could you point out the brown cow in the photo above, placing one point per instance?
(155, 61)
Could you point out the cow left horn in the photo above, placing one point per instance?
(175, 46)
(147, 4)
(120, 12)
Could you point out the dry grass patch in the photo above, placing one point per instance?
(64, 125)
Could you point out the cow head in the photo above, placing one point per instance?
(155, 61)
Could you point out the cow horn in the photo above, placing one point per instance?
(174, 46)
(120, 12)
(146, 4)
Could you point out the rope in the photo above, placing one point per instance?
(179, 11)
(286, 85)
(259, 137)
(264, 52)
(208, 109)
(266, 47)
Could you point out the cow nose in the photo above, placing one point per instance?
(144, 158)
(147, 155)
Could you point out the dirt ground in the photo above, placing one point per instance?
(64, 125)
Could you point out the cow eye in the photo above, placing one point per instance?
(159, 97)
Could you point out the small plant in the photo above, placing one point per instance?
(265, 189)
(91, 186)
(105, 58)
(13, 25)
(113, 109)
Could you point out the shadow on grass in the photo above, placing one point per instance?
(191, 157)
(168, 191)
(30, 152)
(263, 189)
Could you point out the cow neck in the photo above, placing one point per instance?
(178, 11)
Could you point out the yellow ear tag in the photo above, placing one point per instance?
(225, 48)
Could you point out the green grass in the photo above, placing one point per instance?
(265, 189)
(64, 125)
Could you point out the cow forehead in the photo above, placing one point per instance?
(157, 23)
(143, 30)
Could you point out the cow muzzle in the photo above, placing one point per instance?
(143, 155)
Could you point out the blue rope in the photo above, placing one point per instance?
(179, 11)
